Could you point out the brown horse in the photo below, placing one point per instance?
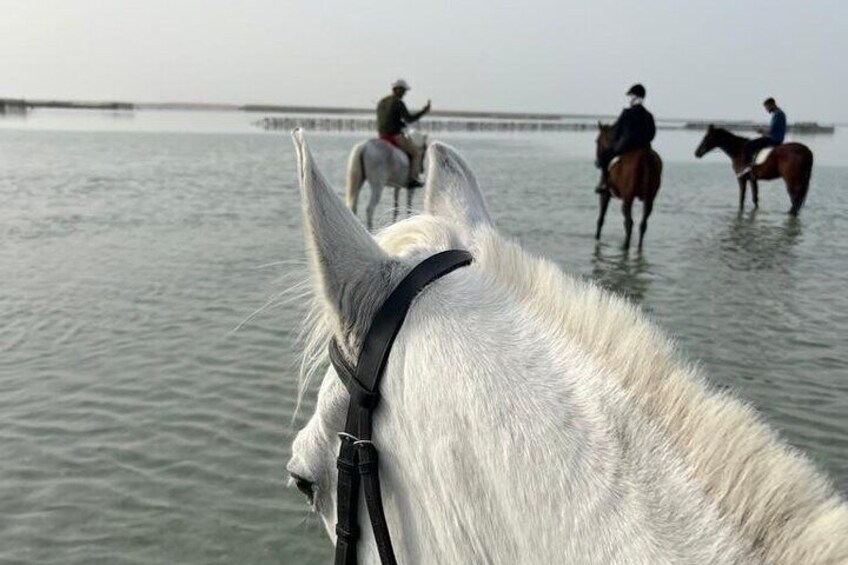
(636, 175)
(793, 162)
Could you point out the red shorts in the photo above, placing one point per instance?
(389, 139)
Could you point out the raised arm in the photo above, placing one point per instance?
(410, 118)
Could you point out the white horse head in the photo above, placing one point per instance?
(528, 417)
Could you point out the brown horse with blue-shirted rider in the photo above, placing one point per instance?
(793, 162)
(636, 174)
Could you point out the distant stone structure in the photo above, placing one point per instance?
(12, 106)
(440, 124)
(333, 123)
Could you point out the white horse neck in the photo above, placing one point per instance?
(499, 439)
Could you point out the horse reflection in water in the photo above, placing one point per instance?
(751, 244)
(618, 272)
(530, 417)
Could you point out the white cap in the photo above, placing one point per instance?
(400, 83)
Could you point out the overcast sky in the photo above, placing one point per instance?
(697, 58)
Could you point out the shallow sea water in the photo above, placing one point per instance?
(148, 360)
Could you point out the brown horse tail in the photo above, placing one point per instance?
(651, 170)
(805, 185)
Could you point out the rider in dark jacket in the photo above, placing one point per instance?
(392, 118)
(634, 129)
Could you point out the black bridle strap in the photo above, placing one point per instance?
(369, 474)
(357, 452)
(389, 318)
(347, 505)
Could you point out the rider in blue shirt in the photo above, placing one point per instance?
(771, 137)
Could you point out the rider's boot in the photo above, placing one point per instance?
(414, 183)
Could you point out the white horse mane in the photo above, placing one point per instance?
(761, 501)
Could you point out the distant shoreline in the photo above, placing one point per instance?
(537, 121)
(13, 103)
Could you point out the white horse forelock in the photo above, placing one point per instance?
(529, 416)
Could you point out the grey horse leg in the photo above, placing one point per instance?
(376, 191)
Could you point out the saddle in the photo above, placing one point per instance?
(614, 162)
(761, 155)
(617, 158)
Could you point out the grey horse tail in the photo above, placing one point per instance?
(355, 174)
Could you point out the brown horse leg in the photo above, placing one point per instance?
(796, 194)
(755, 193)
(743, 184)
(627, 210)
(395, 213)
(408, 201)
(605, 198)
(646, 211)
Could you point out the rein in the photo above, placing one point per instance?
(357, 460)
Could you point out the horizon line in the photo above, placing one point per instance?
(6, 102)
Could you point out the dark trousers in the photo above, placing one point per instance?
(619, 148)
(605, 157)
(602, 162)
(751, 147)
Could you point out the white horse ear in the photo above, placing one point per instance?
(352, 270)
(452, 189)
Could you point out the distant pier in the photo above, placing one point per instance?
(439, 124)
(361, 124)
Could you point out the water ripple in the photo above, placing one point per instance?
(148, 367)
